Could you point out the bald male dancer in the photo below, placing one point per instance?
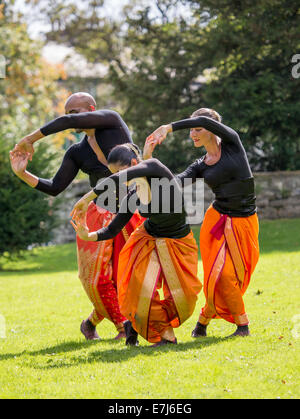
(97, 262)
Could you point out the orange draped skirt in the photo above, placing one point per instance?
(98, 265)
(230, 251)
(148, 264)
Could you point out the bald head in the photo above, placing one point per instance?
(80, 102)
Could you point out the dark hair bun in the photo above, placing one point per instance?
(124, 153)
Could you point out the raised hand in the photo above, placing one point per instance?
(25, 146)
(82, 231)
(149, 147)
(79, 210)
(18, 161)
(160, 133)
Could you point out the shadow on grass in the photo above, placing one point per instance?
(111, 355)
(51, 350)
(127, 353)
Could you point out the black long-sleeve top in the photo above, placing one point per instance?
(230, 178)
(110, 130)
(165, 214)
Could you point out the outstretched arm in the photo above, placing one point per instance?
(106, 233)
(64, 176)
(216, 127)
(149, 168)
(85, 120)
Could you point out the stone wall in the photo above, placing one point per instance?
(278, 196)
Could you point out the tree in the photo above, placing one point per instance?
(148, 62)
(27, 94)
(251, 44)
(164, 62)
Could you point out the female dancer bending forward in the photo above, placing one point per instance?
(229, 233)
(161, 253)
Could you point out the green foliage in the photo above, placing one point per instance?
(157, 80)
(159, 57)
(149, 63)
(251, 44)
(26, 215)
(169, 59)
(27, 94)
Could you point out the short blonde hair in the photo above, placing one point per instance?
(210, 113)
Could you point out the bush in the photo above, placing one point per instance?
(27, 215)
(29, 95)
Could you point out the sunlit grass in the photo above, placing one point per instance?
(45, 356)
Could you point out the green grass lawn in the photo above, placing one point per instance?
(45, 356)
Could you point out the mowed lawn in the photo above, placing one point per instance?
(45, 356)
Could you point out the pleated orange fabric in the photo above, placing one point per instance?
(148, 264)
(230, 251)
(98, 263)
